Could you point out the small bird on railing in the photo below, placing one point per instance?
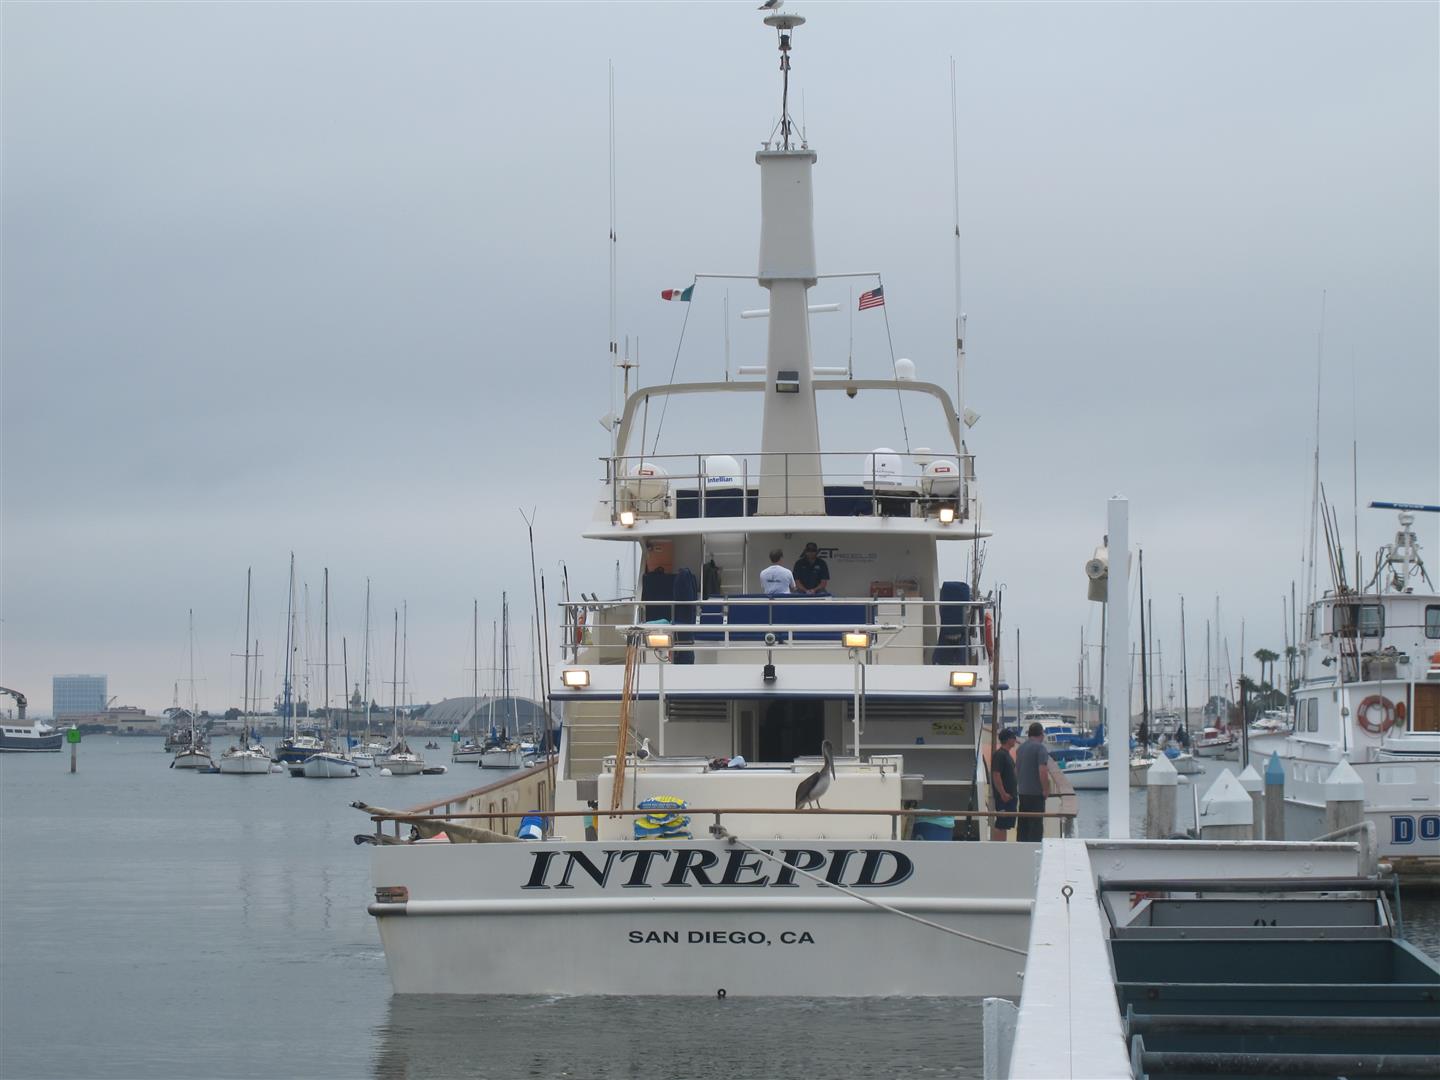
(817, 783)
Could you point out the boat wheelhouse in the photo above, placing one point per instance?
(1369, 695)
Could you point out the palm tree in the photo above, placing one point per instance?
(1266, 656)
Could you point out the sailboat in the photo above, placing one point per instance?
(244, 758)
(328, 764)
(399, 758)
(193, 755)
(294, 748)
(502, 748)
(364, 757)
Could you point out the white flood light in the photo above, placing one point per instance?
(575, 678)
(962, 680)
(627, 518)
(947, 515)
(658, 639)
(856, 639)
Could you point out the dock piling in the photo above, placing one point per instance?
(1274, 798)
(1161, 781)
(1255, 788)
(1344, 798)
(1225, 810)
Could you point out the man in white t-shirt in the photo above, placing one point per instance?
(776, 579)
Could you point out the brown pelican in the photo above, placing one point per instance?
(817, 783)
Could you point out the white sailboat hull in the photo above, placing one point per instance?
(502, 758)
(402, 764)
(363, 760)
(329, 767)
(191, 759)
(245, 763)
(488, 919)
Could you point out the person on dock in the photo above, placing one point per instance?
(1002, 782)
(1032, 762)
(775, 579)
(812, 573)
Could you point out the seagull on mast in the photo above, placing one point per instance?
(771, 5)
(817, 783)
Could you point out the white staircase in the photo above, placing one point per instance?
(727, 550)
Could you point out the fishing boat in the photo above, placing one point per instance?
(194, 754)
(1369, 696)
(18, 737)
(738, 771)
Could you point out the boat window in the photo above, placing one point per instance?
(1396, 774)
(1368, 620)
(1312, 717)
(1432, 621)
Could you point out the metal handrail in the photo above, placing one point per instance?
(882, 485)
(895, 816)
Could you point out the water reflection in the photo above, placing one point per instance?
(641, 1038)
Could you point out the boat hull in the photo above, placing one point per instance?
(244, 764)
(191, 759)
(330, 767)
(405, 765)
(30, 742)
(504, 758)
(532, 919)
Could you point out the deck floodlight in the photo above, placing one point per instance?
(767, 673)
(658, 639)
(627, 518)
(856, 639)
(575, 678)
(787, 382)
(947, 515)
(962, 680)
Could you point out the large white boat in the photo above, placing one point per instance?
(1369, 694)
(18, 737)
(731, 807)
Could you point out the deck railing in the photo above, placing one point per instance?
(726, 623)
(854, 482)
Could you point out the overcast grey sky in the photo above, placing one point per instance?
(332, 278)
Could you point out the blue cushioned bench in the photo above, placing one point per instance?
(794, 612)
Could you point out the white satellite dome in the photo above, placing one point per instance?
(722, 471)
(905, 370)
(884, 468)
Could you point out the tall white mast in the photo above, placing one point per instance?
(790, 475)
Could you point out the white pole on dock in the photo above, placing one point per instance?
(1117, 654)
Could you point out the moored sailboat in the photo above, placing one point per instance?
(245, 758)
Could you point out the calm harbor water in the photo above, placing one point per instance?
(157, 923)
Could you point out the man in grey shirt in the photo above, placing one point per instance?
(1032, 766)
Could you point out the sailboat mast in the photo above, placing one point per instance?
(287, 713)
(405, 649)
(505, 662)
(325, 681)
(194, 703)
(365, 663)
(1144, 678)
(474, 667)
(245, 693)
(345, 674)
(1184, 669)
(394, 681)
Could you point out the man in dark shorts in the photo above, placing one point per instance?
(1032, 767)
(1002, 782)
(812, 573)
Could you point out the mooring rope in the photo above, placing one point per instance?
(720, 830)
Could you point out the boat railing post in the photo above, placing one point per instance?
(745, 491)
(1255, 788)
(700, 478)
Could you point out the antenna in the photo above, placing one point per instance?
(783, 24)
(614, 348)
(959, 313)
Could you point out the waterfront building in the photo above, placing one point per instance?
(78, 695)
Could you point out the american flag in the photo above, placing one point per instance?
(874, 298)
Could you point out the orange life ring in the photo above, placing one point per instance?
(580, 627)
(989, 635)
(1376, 701)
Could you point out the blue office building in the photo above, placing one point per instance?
(78, 695)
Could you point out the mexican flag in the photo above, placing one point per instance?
(677, 294)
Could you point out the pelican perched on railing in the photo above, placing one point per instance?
(817, 783)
